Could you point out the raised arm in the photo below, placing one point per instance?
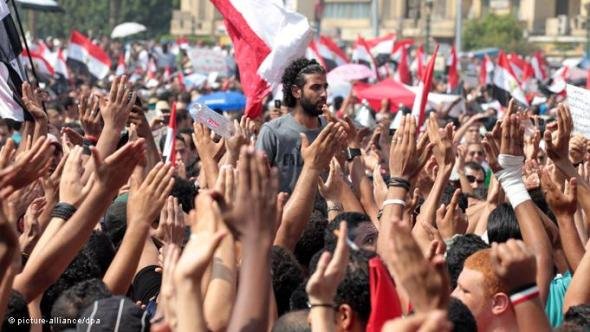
(316, 158)
(45, 268)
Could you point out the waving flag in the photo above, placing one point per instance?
(362, 52)
(539, 66)
(399, 46)
(505, 82)
(121, 65)
(381, 45)
(42, 65)
(267, 38)
(419, 108)
(327, 53)
(453, 71)
(403, 68)
(82, 49)
(418, 62)
(60, 65)
(523, 70)
(485, 69)
(169, 151)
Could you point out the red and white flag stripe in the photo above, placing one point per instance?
(539, 66)
(169, 151)
(41, 64)
(419, 107)
(263, 47)
(121, 65)
(453, 71)
(485, 70)
(83, 50)
(505, 79)
(362, 52)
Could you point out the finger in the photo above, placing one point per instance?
(323, 264)
(340, 259)
(455, 199)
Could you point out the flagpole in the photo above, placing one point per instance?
(20, 25)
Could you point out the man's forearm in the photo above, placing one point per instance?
(530, 317)
(189, 307)
(298, 209)
(106, 145)
(570, 241)
(251, 308)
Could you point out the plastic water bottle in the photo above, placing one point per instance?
(213, 120)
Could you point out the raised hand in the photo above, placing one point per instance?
(514, 263)
(72, 187)
(240, 137)
(253, 213)
(512, 136)
(318, 154)
(33, 102)
(147, 196)
(331, 269)
(114, 171)
(226, 183)
(50, 182)
(120, 102)
(531, 145)
(406, 160)
(331, 189)
(203, 140)
(31, 232)
(447, 221)
(561, 203)
(89, 113)
(427, 281)
(442, 140)
(557, 139)
(29, 166)
(171, 226)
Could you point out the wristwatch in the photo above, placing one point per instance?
(352, 152)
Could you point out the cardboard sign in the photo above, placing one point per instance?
(578, 100)
(206, 61)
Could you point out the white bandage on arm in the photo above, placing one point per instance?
(510, 177)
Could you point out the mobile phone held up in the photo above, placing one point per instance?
(213, 120)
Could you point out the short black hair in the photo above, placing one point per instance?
(475, 166)
(185, 191)
(294, 75)
(299, 299)
(287, 274)
(101, 249)
(71, 302)
(16, 309)
(578, 315)
(352, 219)
(354, 289)
(83, 267)
(463, 246)
(461, 317)
(294, 321)
(502, 224)
(447, 195)
(312, 239)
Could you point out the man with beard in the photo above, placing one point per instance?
(304, 93)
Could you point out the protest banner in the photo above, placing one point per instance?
(205, 61)
(578, 100)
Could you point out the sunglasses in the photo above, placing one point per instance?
(472, 179)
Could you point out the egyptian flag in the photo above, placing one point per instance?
(559, 80)
(419, 108)
(506, 85)
(121, 65)
(521, 68)
(167, 74)
(399, 47)
(385, 302)
(42, 65)
(60, 65)
(180, 80)
(418, 62)
(539, 66)
(382, 45)
(403, 68)
(327, 53)
(453, 74)
(362, 54)
(485, 69)
(266, 38)
(82, 50)
(169, 151)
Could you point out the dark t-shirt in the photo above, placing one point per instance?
(280, 140)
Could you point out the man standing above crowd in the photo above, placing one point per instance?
(305, 91)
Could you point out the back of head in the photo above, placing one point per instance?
(502, 224)
(352, 219)
(101, 249)
(354, 289)
(294, 321)
(463, 246)
(287, 274)
(481, 261)
(312, 239)
(111, 312)
(461, 316)
(578, 317)
(294, 75)
(16, 311)
(76, 298)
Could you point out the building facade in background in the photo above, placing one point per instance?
(546, 22)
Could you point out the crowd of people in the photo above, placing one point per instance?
(302, 220)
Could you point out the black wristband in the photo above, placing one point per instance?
(521, 288)
(86, 144)
(352, 152)
(63, 211)
(399, 182)
(327, 305)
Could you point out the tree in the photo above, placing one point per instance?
(97, 17)
(496, 31)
